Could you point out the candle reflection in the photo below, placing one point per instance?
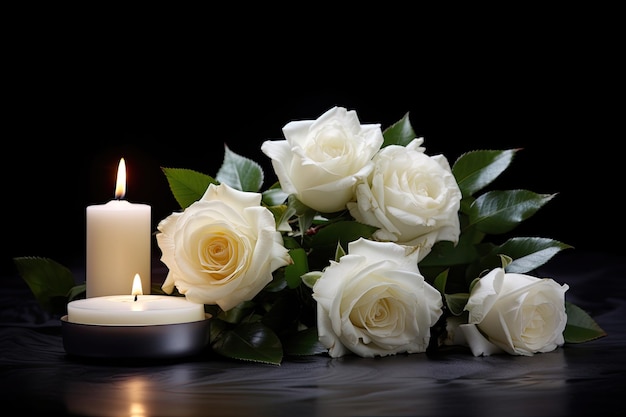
(134, 393)
(136, 389)
(136, 410)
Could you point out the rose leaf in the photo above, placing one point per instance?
(253, 342)
(240, 172)
(497, 212)
(304, 342)
(400, 133)
(48, 280)
(580, 326)
(477, 169)
(187, 185)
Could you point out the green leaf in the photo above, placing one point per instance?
(456, 302)
(274, 196)
(304, 342)
(187, 186)
(240, 172)
(497, 212)
(282, 214)
(505, 260)
(299, 267)
(445, 253)
(290, 242)
(278, 282)
(341, 232)
(339, 252)
(440, 281)
(310, 278)
(477, 169)
(49, 281)
(529, 253)
(78, 291)
(580, 326)
(253, 342)
(400, 133)
(304, 213)
(237, 313)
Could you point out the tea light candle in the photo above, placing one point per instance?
(118, 243)
(134, 309)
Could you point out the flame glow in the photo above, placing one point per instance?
(120, 186)
(137, 288)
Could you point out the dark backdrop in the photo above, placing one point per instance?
(72, 112)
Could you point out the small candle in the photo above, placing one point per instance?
(118, 243)
(134, 309)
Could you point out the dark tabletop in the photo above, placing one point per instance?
(39, 377)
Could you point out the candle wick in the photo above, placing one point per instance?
(135, 297)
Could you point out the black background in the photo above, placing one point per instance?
(77, 100)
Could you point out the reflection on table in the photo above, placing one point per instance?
(38, 376)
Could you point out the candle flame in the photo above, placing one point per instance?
(137, 289)
(120, 185)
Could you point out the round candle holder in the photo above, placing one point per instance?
(141, 342)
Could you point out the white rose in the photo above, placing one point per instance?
(411, 197)
(517, 313)
(321, 159)
(222, 249)
(375, 302)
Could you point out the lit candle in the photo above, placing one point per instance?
(118, 243)
(134, 309)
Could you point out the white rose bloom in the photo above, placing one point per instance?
(517, 313)
(411, 197)
(222, 249)
(321, 159)
(375, 302)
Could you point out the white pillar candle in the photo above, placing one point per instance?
(134, 309)
(118, 243)
(123, 310)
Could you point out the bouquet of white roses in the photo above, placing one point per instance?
(365, 245)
